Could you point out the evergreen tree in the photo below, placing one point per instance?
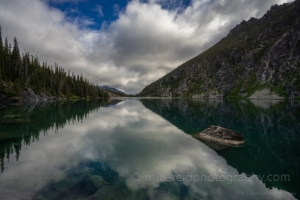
(6, 58)
(15, 60)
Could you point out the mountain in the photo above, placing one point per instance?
(259, 58)
(113, 90)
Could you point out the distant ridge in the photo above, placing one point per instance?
(112, 89)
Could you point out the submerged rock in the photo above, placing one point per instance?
(221, 135)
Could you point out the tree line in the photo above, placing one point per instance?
(26, 71)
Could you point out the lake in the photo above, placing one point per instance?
(144, 149)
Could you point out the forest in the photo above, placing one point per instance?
(19, 71)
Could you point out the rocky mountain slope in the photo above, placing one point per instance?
(257, 55)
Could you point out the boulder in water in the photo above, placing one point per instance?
(221, 135)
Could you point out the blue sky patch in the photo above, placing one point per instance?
(92, 13)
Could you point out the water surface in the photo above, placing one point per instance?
(143, 149)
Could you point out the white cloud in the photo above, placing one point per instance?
(99, 9)
(116, 8)
(143, 44)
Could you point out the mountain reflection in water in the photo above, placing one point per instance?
(105, 150)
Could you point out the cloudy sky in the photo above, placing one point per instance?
(122, 43)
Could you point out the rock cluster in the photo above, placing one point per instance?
(264, 94)
(29, 96)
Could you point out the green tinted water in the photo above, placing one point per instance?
(143, 149)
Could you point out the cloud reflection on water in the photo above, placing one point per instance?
(129, 138)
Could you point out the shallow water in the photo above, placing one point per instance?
(143, 149)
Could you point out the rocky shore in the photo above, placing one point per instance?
(265, 94)
(28, 95)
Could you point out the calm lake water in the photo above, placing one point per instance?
(143, 149)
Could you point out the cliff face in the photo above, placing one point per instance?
(257, 54)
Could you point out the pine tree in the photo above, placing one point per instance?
(15, 60)
(6, 58)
